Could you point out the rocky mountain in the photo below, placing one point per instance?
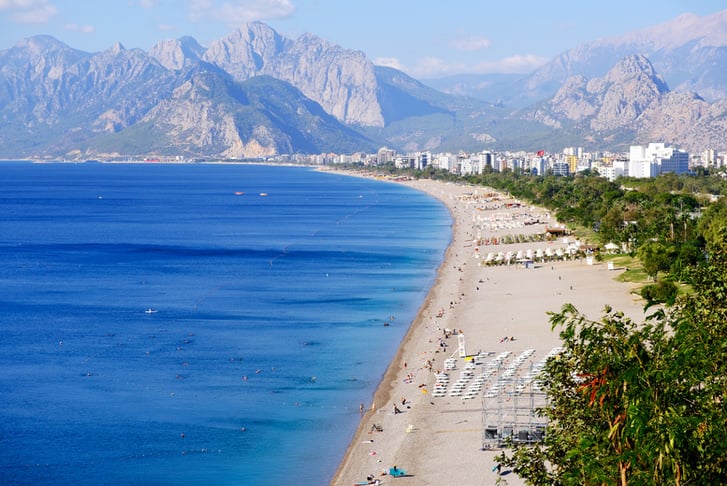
(342, 81)
(255, 93)
(53, 97)
(632, 104)
(57, 101)
(178, 53)
(211, 114)
(690, 52)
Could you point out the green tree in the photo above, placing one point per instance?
(604, 400)
(713, 223)
(638, 404)
(662, 292)
(655, 257)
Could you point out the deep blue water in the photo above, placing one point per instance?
(268, 331)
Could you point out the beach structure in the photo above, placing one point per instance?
(509, 390)
(509, 407)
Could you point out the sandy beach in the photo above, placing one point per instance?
(437, 436)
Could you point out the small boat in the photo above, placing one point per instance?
(263, 194)
(239, 193)
(150, 311)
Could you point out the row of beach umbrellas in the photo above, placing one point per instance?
(530, 254)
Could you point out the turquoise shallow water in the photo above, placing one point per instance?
(268, 324)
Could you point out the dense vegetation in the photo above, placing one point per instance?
(636, 403)
(664, 222)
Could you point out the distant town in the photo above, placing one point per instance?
(640, 161)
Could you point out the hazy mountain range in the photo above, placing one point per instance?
(255, 93)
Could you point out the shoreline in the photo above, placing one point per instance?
(385, 389)
(438, 439)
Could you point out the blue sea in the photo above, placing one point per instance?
(168, 324)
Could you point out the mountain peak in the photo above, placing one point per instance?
(709, 30)
(258, 28)
(687, 51)
(116, 48)
(177, 54)
(41, 56)
(634, 66)
(246, 51)
(612, 102)
(258, 34)
(41, 42)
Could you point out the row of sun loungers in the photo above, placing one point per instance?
(469, 385)
(530, 377)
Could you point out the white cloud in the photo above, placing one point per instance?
(29, 11)
(432, 67)
(236, 12)
(147, 3)
(518, 63)
(86, 29)
(472, 43)
(391, 62)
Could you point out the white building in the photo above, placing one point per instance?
(385, 155)
(620, 168)
(616, 169)
(538, 165)
(469, 166)
(654, 159)
(446, 162)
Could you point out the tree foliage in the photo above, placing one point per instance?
(638, 404)
(655, 257)
(662, 292)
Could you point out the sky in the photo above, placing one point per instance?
(424, 38)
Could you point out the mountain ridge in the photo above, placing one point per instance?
(633, 99)
(678, 48)
(255, 93)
